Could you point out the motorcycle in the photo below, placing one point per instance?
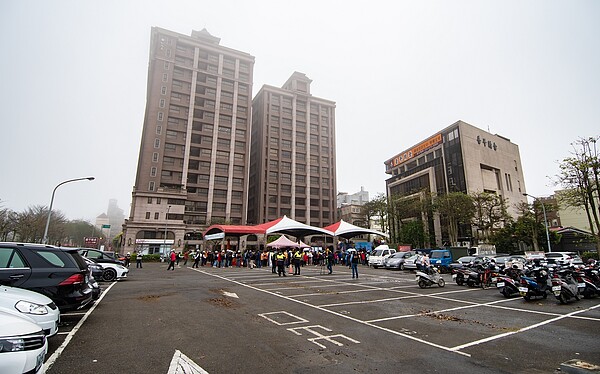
(429, 278)
(591, 282)
(565, 287)
(536, 284)
(460, 275)
(509, 282)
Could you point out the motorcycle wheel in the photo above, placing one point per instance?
(460, 281)
(545, 295)
(562, 298)
(505, 292)
(527, 297)
(422, 283)
(441, 283)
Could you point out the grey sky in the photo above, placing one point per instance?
(74, 82)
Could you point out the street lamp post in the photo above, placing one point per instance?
(545, 219)
(45, 239)
(166, 225)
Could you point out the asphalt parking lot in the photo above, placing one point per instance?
(224, 320)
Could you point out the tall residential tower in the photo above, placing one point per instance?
(292, 161)
(193, 163)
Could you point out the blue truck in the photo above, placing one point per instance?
(442, 258)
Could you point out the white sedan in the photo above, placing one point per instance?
(23, 345)
(32, 305)
(113, 272)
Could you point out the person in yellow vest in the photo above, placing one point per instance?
(280, 258)
(297, 259)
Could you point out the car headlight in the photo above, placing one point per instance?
(31, 308)
(12, 345)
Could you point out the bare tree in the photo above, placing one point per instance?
(490, 213)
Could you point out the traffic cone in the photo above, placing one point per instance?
(290, 269)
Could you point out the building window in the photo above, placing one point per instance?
(152, 174)
(167, 65)
(151, 186)
(155, 157)
(163, 90)
(156, 143)
(158, 129)
(165, 77)
(147, 215)
(156, 215)
(149, 200)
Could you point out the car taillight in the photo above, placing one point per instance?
(523, 281)
(73, 279)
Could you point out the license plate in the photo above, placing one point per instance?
(454, 276)
(500, 284)
(494, 279)
(556, 288)
(523, 289)
(581, 285)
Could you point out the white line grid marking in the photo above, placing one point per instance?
(319, 336)
(407, 334)
(298, 319)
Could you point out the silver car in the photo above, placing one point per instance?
(396, 261)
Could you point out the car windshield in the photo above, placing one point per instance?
(378, 252)
(437, 254)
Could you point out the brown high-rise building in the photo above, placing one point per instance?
(292, 161)
(194, 156)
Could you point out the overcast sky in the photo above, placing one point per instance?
(74, 82)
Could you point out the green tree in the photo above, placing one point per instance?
(412, 233)
(580, 176)
(376, 209)
(490, 214)
(454, 208)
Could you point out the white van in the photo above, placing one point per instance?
(379, 254)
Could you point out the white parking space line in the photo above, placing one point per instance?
(394, 332)
(542, 313)
(50, 361)
(499, 336)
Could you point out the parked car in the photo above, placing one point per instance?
(563, 258)
(412, 261)
(510, 260)
(96, 269)
(461, 262)
(396, 260)
(23, 345)
(41, 309)
(99, 256)
(113, 272)
(379, 254)
(59, 273)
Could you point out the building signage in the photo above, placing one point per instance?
(415, 151)
(154, 241)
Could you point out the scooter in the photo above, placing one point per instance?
(508, 284)
(588, 278)
(565, 287)
(460, 275)
(535, 285)
(429, 278)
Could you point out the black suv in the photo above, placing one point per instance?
(59, 273)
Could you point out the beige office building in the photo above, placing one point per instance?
(193, 163)
(292, 161)
(459, 158)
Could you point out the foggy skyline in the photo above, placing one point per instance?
(75, 82)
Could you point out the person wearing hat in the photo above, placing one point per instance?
(172, 259)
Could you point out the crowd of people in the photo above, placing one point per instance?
(277, 259)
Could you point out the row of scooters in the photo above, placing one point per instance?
(566, 283)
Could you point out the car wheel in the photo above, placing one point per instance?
(375, 266)
(109, 275)
(401, 267)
